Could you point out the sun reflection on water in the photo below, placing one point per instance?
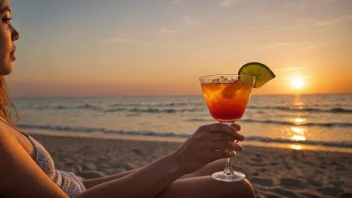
(299, 130)
(299, 120)
(296, 147)
(298, 133)
(298, 138)
(298, 105)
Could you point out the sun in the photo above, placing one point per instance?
(297, 82)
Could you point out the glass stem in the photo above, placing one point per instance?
(228, 168)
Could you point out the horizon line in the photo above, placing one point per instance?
(168, 95)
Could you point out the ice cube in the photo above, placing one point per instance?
(215, 81)
(222, 79)
(229, 92)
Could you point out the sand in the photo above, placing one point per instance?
(273, 172)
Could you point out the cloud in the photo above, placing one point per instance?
(304, 45)
(177, 1)
(295, 68)
(306, 21)
(127, 41)
(226, 3)
(335, 21)
(190, 21)
(168, 31)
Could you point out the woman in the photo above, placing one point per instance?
(27, 170)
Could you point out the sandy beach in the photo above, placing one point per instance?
(273, 172)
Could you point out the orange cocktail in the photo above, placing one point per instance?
(227, 101)
(227, 97)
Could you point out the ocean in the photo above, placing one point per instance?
(295, 121)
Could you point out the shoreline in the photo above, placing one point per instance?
(100, 135)
(273, 172)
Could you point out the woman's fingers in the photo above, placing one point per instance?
(219, 127)
(222, 154)
(224, 137)
(225, 145)
(240, 137)
(237, 126)
(215, 137)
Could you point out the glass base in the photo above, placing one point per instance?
(236, 176)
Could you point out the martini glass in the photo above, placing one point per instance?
(227, 96)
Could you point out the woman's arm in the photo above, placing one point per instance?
(207, 144)
(144, 182)
(89, 183)
(20, 176)
(206, 170)
(96, 181)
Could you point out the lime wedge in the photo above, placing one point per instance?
(261, 72)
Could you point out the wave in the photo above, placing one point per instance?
(331, 124)
(347, 144)
(199, 120)
(62, 107)
(126, 109)
(331, 110)
(172, 107)
(103, 130)
(172, 104)
(153, 110)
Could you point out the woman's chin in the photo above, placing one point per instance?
(6, 70)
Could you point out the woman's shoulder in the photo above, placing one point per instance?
(7, 141)
(16, 163)
(6, 134)
(10, 134)
(5, 130)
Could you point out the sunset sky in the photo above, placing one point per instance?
(161, 47)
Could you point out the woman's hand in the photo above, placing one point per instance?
(209, 143)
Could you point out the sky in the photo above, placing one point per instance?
(70, 48)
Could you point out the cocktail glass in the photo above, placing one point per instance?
(227, 96)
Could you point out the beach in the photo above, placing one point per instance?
(273, 172)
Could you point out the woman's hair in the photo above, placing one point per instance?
(5, 102)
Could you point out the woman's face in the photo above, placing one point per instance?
(8, 35)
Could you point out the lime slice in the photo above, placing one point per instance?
(261, 72)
